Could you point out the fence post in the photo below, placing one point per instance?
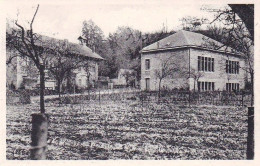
(250, 136)
(242, 98)
(189, 97)
(39, 136)
(99, 96)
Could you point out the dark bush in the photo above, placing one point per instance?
(17, 97)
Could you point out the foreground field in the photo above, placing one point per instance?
(126, 130)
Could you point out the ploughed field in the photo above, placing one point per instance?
(126, 130)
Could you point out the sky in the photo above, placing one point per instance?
(64, 20)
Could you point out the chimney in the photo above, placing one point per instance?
(80, 40)
(158, 44)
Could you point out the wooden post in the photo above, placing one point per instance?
(242, 98)
(250, 136)
(99, 96)
(39, 136)
(189, 97)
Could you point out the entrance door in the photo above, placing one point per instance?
(147, 84)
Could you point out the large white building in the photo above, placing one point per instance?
(199, 64)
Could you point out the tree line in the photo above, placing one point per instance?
(121, 49)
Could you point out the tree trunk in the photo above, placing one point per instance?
(252, 89)
(58, 88)
(159, 93)
(39, 136)
(39, 125)
(68, 88)
(250, 134)
(42, 88)
(88, 86)
(194, 85)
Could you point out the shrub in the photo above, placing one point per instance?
(18, 97)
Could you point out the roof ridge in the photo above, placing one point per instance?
(185, 37)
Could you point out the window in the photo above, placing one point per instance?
(237, 67)
(205, 64)
(232, 87)
(199, 62)
(147, 84)
(93, 69)
(232, 67)
(212, 64)
(79, 82)
(209, 64)
(206, 86)
(226, 66)
(202, 64)
(147, 64)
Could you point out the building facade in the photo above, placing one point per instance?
(21, 72)
(197, 64)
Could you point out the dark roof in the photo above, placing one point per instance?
(182, 39)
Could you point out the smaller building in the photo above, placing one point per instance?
(126, 77)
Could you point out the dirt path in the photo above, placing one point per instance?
(106, 91)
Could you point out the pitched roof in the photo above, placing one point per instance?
(182, 39)
(77, 48)
(86, 51)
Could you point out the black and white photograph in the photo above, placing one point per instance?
(123, 80)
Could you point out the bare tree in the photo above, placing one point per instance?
(246, 13)
(63, 61)
(196, 75)
(29, 44)
(167, 68)
(236, 34)
(192, 23)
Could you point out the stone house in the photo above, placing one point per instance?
(21, 73)
(198, 64)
